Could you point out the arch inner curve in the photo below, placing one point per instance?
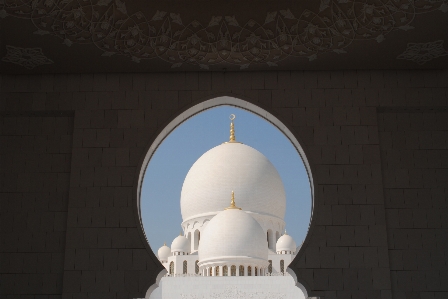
(194, 233)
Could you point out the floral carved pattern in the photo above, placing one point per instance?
(26, 57)
(282, 34)
(421, 53)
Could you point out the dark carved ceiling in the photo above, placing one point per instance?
(73, 36)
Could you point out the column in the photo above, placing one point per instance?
(245, 270)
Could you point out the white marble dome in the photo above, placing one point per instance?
(233, 235)
(237, 167)
(163, 253)
(180, 244)
(286, 243)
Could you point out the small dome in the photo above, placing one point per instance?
(286, 243)
(163, 253)
(180, 244)
(233, 234)
(232, 166)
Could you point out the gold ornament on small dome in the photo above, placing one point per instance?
(232, 203)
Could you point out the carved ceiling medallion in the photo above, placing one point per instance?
(421, 53)
(26, 57)
(107, 25)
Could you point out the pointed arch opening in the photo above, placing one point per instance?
(204, 106)
(233, 270)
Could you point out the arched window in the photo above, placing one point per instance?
(233, 270)
(249, 271)
(217, 271)
(241, 270)
(270, 239)
(225, 271)
(210, 273)
(196, 237)
(256, 271)
(277, 236)
(282, 266)
(196, 267)
(172, 268)
(270, 267)
(185, 267)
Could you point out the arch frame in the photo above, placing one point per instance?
(156, 284)
(196, 107)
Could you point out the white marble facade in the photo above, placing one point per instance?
(275, 287)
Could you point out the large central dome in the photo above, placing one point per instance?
(234, 167)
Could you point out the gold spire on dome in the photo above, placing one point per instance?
(164, 243)
(232, 203)
(232, 130)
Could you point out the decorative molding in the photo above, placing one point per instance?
(107, 24)
(26, 57)
(421, 53)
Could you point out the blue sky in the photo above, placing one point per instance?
(167, 169)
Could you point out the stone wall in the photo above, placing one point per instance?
(72, 147)
(414, 160)
(35, 159)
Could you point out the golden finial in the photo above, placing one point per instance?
(164, 243)
(180, 234)
(232, 203)
(232, 128)
(285, 232)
